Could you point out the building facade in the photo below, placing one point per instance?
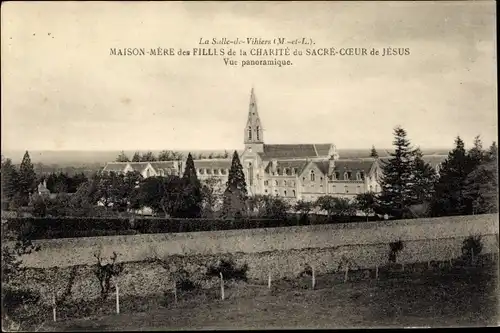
(290, 171)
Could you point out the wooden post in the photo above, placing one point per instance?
(54, 307)
(269, 280)
(313, 277)
(221, 286)
(117, 300)
(376, 272)
(472, 256)
(346, 275)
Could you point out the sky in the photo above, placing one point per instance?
(62, 90)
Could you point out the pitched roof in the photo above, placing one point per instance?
(115, 166)
(299, 165)
(215, 163)
(353, 165)
(295, 150)
(139, 166)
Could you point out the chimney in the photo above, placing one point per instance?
(331, 166)
(274, 165)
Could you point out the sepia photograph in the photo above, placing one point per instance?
(213, 165)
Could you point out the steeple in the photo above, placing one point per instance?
(254, 137)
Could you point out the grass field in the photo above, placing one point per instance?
(416, 297)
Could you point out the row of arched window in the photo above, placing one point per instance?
(289, 183)
(203, 171)
(284, 193)
(250, 133)
(285, 172)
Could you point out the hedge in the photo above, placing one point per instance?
(68, 227)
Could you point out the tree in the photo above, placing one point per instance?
(366, 203)
(211, 196)
(27, 177)
(424, 178)
(9, 180)
(275, 207)
(148, 157)
(304, 208)
(122, 157)
(327, 203)
(192, 196)
(165, 155)
(396, 182)
(492, 154)
(226, 154)
(373, 152)
(235, 195)
(137, 157)
(476, 154)
(344, 207)
(256, 205)
(449, 197)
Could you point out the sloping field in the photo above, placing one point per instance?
(460, 296)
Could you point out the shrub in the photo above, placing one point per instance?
(105, 272)
(229, 270)
(472, 246)
(395, 248)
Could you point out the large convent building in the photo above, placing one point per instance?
(290, 171)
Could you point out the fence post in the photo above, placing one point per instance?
(54, 307)
(346, 275)
(376, 272)
(472, 256)
(313, 277)
(221, 286)
(269, 280)
(117, 299)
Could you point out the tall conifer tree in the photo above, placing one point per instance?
(450, 198)
(27, 176)
(9, 180)
(192, 195)
(424, 179)
(373, 152)
(397, 178)
(236, 193)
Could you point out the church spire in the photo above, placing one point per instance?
(253, 129)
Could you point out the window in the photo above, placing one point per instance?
(345, 189)
(265, 191)
(276, 192)
(216, 172)
(292, 183)
(284, 183)
(358, 176)
(278, 171)
(222, 171)
(285, 171)
(312, 176)
(349, 175)
(249, 133)
(303, 179)
(337, 175)
(294, 171)
(284, 193)
(209, 171)
(371, 188)
(202, 171)
(346, 176)
(293, 193)
(258, 138)
(362, 175)
(266, 182)
(320, 179)
(275, 183)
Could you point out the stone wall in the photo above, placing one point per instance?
(360, 236)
